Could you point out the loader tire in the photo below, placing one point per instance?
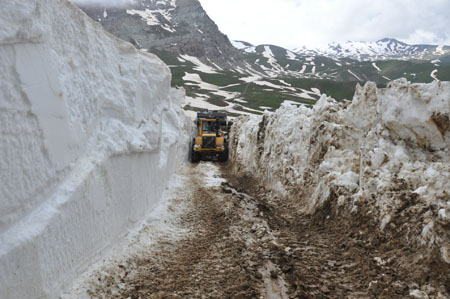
(223, 157)
(193, 155)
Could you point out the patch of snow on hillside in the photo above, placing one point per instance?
(199, 66)
(238, 45)
(434, 74)
(171, 3)
(198, 80)
(354, 75)
(305, 95)
(302, 71)
(146, 15)
(285, 83)
(440, 50)
(241, 46)
(192, 77)
(290, 55)
(289, 102)
(267, 53)
(316, 91)
(376, 67)
(266, 83)
(257, 80)
(250, 50)
(228, 95)
(216, 66)
(151, 17)
(200, 102)
(250, 78)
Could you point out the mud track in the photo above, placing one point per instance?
(243, 245)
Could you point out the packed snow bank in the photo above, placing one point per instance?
(386, 153)
(90, 134)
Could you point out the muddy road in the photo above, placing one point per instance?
(237, 242)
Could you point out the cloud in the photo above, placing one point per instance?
(106, 3)
(291, 23)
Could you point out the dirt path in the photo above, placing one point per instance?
(222, 256)
(332, 256)
(240, 244)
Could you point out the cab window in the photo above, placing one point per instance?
(209, 127)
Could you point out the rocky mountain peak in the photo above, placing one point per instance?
(392, 40)
(181, 27)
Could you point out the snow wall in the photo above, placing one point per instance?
(90, 133)
(386, 153)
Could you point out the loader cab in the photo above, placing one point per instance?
(208, 126)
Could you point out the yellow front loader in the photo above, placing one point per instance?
(211, 138)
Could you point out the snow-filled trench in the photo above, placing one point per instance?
(387, 150)
(90, 134)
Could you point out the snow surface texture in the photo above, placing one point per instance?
(386, 147)
(164, 224)
(90, 134)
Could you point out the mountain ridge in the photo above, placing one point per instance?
(383, 49)
(243, 78)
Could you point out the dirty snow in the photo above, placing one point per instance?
(385, 146)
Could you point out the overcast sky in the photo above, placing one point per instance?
(292, 23)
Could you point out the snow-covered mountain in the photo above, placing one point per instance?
(384, 49)
(243, 78)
